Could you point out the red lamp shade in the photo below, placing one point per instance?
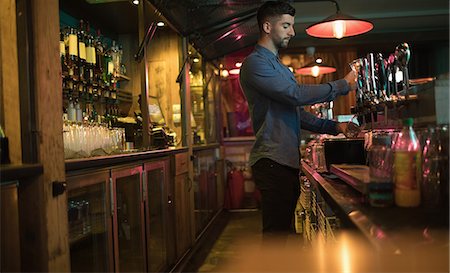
(315, 69)
(339, 26)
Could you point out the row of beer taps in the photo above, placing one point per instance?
(382, 79)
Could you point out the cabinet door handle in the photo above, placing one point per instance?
(189, 184)
(111, 195)
(144, 187)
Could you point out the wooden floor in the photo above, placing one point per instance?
(236, 245)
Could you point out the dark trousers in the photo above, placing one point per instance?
(280, 188)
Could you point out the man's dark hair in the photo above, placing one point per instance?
(271, 9)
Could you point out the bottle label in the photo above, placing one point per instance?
(110, 67)
(73, 44)
(90, 55)
(407, 170)
(62, 48)
(82, 48)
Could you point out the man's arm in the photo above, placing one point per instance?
(259, 74)
(324, 126)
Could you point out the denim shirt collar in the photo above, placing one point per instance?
(266, 52)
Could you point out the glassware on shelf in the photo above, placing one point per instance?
(433, 169)
(91, 139)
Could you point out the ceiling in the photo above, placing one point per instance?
(222, 27)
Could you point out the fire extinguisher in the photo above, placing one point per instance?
(234, 195)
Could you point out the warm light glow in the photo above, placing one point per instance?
(238, 37)
(196, 60)
(291, 68)
(339, 26)
(136, 2)
(316, 68)
(224, 73)
(160, 24)
(238, 64)
(346, 261)
(220, 65)
(339, 29)
(234, 71)
(315, 71)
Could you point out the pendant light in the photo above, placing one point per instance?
(316, 68)
(339, 26)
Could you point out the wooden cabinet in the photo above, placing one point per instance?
(159, 215)
(90, 222)
(10, 242)
(129, 234)
(125, 218)
(183, 204)
(205, 188)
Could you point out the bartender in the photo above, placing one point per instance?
(275, 100)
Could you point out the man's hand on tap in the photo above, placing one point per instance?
(351, 79)
(349, 129)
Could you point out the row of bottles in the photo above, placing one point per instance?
(90, 72)
(421, 171)
(416, 164)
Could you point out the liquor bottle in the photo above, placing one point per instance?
(71, 112)
(115, 59)
(407, 167)
(99, 67)
(73, 54)
(81, 52)
(62, 54)
(78, 111)
(108, 71)
(99, 51)
(4, 148)
(90, 56)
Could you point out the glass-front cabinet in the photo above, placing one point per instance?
(122, 219)
(205, 187)
(90, 225)
(120, 90)
(159, 203)
(129, 234)
(204, 84)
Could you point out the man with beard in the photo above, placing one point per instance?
(275, 100)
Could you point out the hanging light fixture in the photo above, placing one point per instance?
(338, 25)
(316, 68)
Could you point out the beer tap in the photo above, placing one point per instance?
(402, 56)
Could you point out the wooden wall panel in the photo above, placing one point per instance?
(45, 231)
(9, 80)
(130, 46)
(163, 55)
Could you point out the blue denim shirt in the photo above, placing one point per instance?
(275, 99)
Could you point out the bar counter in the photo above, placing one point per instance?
(391, 230)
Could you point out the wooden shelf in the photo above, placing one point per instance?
(121, 77)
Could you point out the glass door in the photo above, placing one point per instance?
(156, 213)
(90, 229)
(205, 188)
(128, 220)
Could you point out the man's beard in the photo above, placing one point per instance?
(283, 43)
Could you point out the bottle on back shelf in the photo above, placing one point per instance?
(407, 167)
(73, 54)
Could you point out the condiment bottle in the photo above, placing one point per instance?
(407, 167)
